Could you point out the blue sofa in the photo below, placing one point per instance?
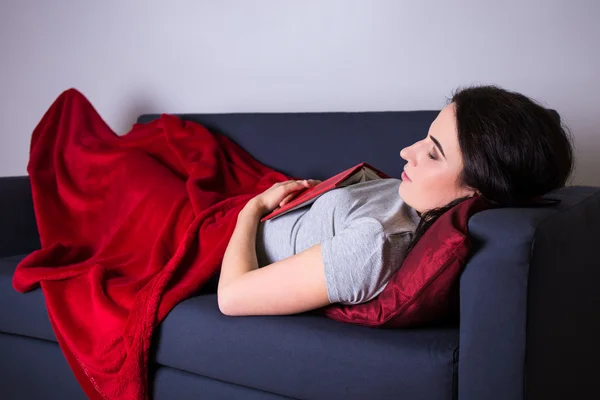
(528, 297)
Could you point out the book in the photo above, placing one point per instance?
(361, 172)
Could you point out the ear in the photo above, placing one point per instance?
(468, 191)
(473, 192)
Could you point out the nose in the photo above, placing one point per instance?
(405, 153)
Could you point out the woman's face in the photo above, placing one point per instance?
(433, 166)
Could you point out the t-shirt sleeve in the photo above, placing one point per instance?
(360, 260)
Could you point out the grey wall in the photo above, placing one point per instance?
(132, 57)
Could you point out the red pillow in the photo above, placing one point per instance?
(425, 287)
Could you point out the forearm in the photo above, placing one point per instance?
(240, 255)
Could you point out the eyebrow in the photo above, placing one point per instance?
(439, 146)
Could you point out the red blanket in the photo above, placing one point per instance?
(129, 226)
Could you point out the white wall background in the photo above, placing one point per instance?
(132, 57)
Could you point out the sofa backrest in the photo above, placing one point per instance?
(319, 145)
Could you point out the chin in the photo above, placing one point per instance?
(405, 196)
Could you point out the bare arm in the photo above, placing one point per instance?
(295, 284)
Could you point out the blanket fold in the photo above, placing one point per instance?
(129, 226)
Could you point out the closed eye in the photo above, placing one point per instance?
(439, 146)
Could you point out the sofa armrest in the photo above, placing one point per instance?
(18, 228)
(529, 300)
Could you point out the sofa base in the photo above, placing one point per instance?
(36, 369)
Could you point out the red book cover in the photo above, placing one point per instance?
(359, 173)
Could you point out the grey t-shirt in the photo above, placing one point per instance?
(364, 230)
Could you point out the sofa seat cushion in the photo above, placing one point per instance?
(307, 355)
(22, 313)
(301, 356)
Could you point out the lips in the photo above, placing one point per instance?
(405, 177)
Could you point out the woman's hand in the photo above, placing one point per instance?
(281, 193)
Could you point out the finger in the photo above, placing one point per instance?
(290, 187)
(303, 181)
(293, 187)
(287, 199)
(285, 183)
(292, 195)
(298, 182)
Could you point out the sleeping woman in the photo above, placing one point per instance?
(344, 247)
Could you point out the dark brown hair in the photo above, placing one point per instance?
(514, 150)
